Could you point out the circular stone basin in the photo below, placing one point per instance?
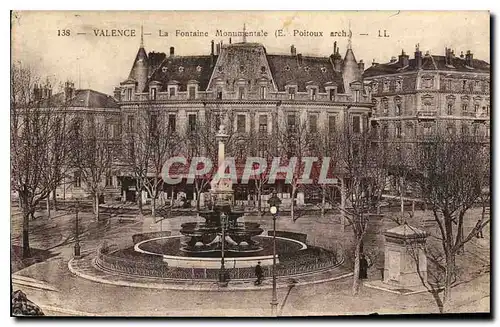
(169, 248)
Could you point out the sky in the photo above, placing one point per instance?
(101, 63)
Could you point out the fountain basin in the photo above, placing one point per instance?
(166, 246)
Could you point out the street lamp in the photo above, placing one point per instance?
(76, 253)
(222, 273)
(274, 203)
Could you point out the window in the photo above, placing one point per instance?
(332, 94)
(476, 108)
(464, 84)
(398, 109)
(262, 92)
(77, 179)
(449, 109)
(217, 121)
(171, 91)
(375, 87)
(332, 123)
(450, 130)
(399, 85)
(109, 180)
(262, 148)
(192, 92)
(386, 86)
(263, 123)
(241, 124)
(427, 130)
(241, 92)
(192, 122)
(465, 129)
(153, 123)
(131, 150)
(153, 93)
(356, 124)
(171, 122)
(464, 107)
(385, 105)
(312, 93)
(130, 123)
(262, 69)
(219, 92)
(129, 94)
(291, 93)
(313, 123)
(398, 131)
(291, 123)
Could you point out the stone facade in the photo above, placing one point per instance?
(430, 93)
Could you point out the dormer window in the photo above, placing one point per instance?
(323, 69)
(312, 93)
(263, 69)
(242, 68)
(241, 92)
(181, 69)
(164, 69)
(399, 85)
(219, 93)
(171, 91)
(192, 92)
(306, 68)
(375, 87)
(262, 92)
(291, 92)
(129, 94)
(220, 69)
(287, 68)
(153, 93)
(386, 86)
(198, 69)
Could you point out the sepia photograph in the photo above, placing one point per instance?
(250, 163)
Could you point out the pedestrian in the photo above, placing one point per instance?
(258, 274)
(479, 233)
(363, 267)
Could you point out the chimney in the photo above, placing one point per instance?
(212, 53)
(299, 59)
(37, 96)
(393, 59)
(374, 63)
(335, 47)
(462, 54)
(117, 94)
(172, 49)
(403, 59)
(361, 66)
(293, 51)
(448, 56)
(468, 58)
(69, 89)
(418, 57)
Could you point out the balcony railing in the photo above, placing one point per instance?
(425, 114)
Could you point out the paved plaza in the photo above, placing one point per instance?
(49, 283)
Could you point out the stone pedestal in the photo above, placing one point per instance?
(404, 249)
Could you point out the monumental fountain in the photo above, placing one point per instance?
(221, 244)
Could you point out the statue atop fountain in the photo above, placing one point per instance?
(204, 237)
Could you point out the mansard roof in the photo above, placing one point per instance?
(429, 62)
(185, 69)
(81, 99)
(288, 69)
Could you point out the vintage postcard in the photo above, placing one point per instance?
(250, 164)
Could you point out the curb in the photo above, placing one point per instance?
(194, 287)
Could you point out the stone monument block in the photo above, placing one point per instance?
(404, 253)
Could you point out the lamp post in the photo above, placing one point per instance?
(76, 253)
(274, 203)
(222, 273)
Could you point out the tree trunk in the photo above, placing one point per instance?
(355, 281)
(26, 224)
(342, 205)
(54, 199)
(96, 204)
(139, 201)
(450, 269)
(47, 201)
(259, 201)
(292, 206)
(153, 207)
(323, 201)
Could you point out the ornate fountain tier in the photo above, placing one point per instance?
(205, 236)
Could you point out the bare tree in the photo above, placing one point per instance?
(294, 141)
(360, 162)
(93, 156)
(35, 134)
(451, 176)
(163, 144)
